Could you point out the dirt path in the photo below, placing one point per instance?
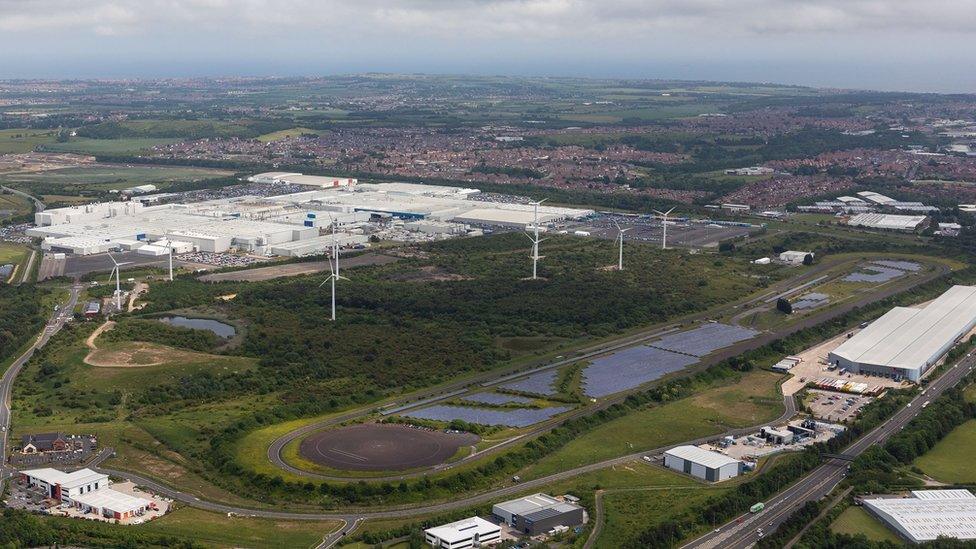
(135, 293)
(90, 342)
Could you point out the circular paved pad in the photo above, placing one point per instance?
(382, 447)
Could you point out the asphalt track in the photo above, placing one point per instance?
(382, 447)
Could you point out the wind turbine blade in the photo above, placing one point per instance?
(324, 281)
(112, 257)
(659, 213)
(340, 277)
(669, 211)
(543, 200)
(527, 235)
(617, 225)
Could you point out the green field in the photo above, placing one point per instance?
(951, 459)
(293, 132)
(750, 401)
(855, 521)
(129, 145)
(24, 140)
(104, 177)
(14, 205)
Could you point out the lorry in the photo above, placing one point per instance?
(757, 507)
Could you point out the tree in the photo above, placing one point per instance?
(784, 306)
(808, 259)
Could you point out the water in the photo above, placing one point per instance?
(218, 328)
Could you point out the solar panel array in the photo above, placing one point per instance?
(900, 265)
(496, 398)
(704, 339)
(517, 417)
(876, 273)
(811, 300)
(630, 368)
(536, 384)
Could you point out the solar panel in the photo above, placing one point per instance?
(496, 398)
(536, 384)
(704, 339)
(875, 273)
(630, 368)
(518, 417)
(900, 265)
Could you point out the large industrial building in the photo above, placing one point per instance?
(538, 514)
(286, 224)
(889, 222)
(86, 490)
(905, 342)
(701, 463)
(465, 533)
(928, 514)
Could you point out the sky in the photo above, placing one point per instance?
(908, 45)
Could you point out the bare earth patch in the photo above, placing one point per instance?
(138, 354)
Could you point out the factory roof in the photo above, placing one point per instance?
(707, 458)
(908, 338)
(67, 481)
(887, 221)
(107, 498)
(929, 514)
(463, 529)
(528, 504)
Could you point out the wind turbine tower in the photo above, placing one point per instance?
(664, 227)
(535, 238)
(118, 280)
(334, 270)
(620, 237)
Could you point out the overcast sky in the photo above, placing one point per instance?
(917, 45)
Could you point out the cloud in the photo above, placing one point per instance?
(490, 19)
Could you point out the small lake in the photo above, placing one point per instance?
(218, 328)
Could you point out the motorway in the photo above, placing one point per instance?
(744, 530)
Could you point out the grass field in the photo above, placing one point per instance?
(951, 460)
(12, 205)
(24, 140)
(751, 400)
(110, 177)
(131, 145)
(282, 134)
(856, 521)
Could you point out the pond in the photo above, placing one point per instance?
(218, 328)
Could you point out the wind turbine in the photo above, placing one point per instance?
(118, 280)
(535, 238)
(664, 226)
(620, 237)
(333, 270)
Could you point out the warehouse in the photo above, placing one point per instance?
(889, 222)
(906, 342)
(704, 464)
(469, 532)
(65, 486)
(928, 514)
(538, 513)
(110, 503)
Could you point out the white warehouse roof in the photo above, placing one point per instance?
(463, 530)
(107, 498)
(706, 458)
(65, 480)
(887, 221)
(929, 514)
(528, 504)
(910, 338)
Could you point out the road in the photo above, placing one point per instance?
(38, 205)
(822, 480)
(60, 316)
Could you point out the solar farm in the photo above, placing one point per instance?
(882, 271)
(536, 384)
(496, 399)
(630, 368)
(514, 417)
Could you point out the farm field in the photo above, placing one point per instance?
(751, 400)
(282, 134)
(12, 253)
(104, 177)
(128, 145)
(13, 205)
(856, 521)
(951, 459)
(24, 140)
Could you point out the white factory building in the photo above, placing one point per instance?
(284, 223)
(928, 514)
(890, 222)
(906, 341)
(86, 490)
(701, 463)
(465, 533)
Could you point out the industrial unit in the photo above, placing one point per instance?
(86, 490)
(701, 463)
(270, 225)
(469, 532)
(928, 514)
(889, 222)
(538, 513)
(906, 342)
